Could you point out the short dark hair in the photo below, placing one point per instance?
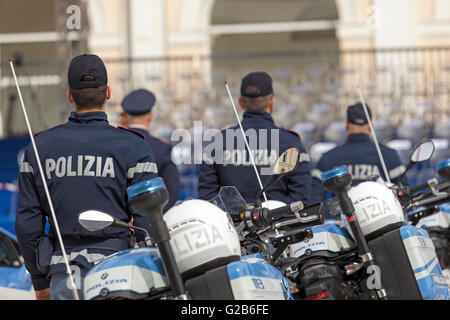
(257, 103)
(88, 98)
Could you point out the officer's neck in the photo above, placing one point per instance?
(85, 110)
(266, 110)
(137, 125)
(139, 122)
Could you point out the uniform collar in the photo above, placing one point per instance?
(358, 137)
(137, 126)
(88, 117)
(257, 115)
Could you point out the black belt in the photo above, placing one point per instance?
(108, 244)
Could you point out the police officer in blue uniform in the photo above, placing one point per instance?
(137, 106)
(359, 154)
(88, 165)
(226, 161)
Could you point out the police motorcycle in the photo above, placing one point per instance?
(269, 227)
(371, 253)
(428, 207)
(195, 253)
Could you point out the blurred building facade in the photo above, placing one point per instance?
(318, 51)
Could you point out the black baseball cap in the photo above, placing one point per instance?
(87, 71)
(356, 114)
(256, 84)
(138, 102)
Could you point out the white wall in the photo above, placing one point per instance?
(148, 30)
(398, 24)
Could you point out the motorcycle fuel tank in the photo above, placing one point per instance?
(131, 274)
(330, 237)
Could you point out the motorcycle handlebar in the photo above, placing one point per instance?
(431, 201)
(292, 208)
(419, 187)
(305, 216)
(289, 216)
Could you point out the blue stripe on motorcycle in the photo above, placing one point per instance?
(411, 231)
(445, 207)
(431, 289)
(239, 269)
(420, 269)
(332, 228)
(146, 258)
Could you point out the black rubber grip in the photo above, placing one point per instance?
(285, 213)
(419, 187)
(279, 212)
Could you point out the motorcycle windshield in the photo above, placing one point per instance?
(229, 200)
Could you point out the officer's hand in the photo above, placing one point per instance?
(130, 224)
(43, 294)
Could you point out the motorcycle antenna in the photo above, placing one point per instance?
(369, 120)
(58, 232)
(245, 139)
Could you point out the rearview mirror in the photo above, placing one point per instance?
(287, 161)
(93, 220)
(423, 152)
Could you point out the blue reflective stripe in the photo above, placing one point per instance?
(239, 269)
(148, 186)
(332, 228)
(146, 258)
(334, 173)
(434, 285)
(420, 269)
(445, 207)
(443, 164)
(410, 231)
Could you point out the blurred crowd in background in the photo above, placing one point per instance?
(318, 53)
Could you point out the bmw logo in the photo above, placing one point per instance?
(104, 276)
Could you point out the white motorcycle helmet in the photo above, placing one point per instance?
(376, 208)
(202, 236)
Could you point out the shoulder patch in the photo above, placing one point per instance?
(133, 131)
(230, 127)
(39, 132)
(387, 147)
(291, 131)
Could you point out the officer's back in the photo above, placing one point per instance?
(137, 106)
(87, 165)
(86, 162)
(232, 165)
(359, 154)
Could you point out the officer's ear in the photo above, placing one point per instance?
(108, 92)
(240, 103)
(69, 97)
(271, 102)
(150, 116)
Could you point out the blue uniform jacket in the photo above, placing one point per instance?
(167, 170)
(235, 169)
(360, 156)
(88, 165)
